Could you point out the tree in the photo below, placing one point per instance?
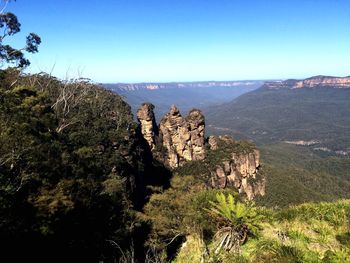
(9, 26)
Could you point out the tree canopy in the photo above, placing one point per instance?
(9, 26)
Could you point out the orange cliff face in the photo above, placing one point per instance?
(324, 82)
(313, 82)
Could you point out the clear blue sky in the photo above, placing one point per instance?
(185, 40)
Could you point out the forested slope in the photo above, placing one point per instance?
(270, 115)
(70, 168)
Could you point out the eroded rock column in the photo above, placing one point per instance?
(183, 137)
(196, 123)
(149, 128)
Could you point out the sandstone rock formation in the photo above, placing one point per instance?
(240, 171)
(213, 144)
(196, 122)
(229, 163)
(148, 125)
(183, 137)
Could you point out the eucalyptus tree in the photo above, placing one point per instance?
(9, 26)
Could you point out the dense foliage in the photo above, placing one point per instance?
(69, 166)
(214, 227)
(297, 174)
(178, 212)
(236, 222)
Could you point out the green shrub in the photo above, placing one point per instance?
(235, 221)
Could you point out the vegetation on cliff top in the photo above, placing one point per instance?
(69, 166)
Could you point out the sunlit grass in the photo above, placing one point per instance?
(304, 233)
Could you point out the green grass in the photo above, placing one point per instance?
(311, 232)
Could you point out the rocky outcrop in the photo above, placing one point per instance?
(149, 129)
(239, 171)
(182, 137)
(247, 163)
(213, 144)
(195, 120)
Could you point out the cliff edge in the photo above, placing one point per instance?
(313, 82)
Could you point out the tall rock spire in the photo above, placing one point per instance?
(149, 128)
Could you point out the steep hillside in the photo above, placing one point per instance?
(72, 170)
(317, 115)
(313, 82)
(296, 174)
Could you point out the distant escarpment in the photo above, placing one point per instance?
(219, 162)
(180, 85)
(313, 82)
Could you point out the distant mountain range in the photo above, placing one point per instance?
(314, 112)
(302, 128)
(185, 95)
(179, 85)
(313, 82)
